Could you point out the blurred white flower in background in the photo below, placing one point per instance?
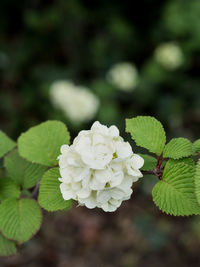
(78, 103)
(169, 55)
(99, 168)
(123, 75)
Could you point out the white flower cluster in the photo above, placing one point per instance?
(124, 76)
(77, 102)
(169, 55)
(98, 169)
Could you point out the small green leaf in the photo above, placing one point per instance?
(8, 189)
(178, 148)
(197, 181)
(7, 247)
(196, 146)
(23, 172)
(147, 132)
(19, 219)
(149, 162)
(41, 144)
(6, 144)
(50, 197)
(174, 194)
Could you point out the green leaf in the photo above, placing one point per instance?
(23, 172)
(197, 181)
(7, 247)
(187, 161)
(8, 189)
(41, 144)
(196, 146)
(26, 193)
(50, 197)
(174, 194)
(20, 219)
(178, 148)
(6, 144)
(147, 132)
(149, 162)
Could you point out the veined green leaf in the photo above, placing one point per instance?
(19, 219)
(7, 247)
(187, 161)
(50, 197)
(23, 172)
(197, 181)
(178, 148)
(8, 189)
(41, 144)
(147, 132)
(174, 194)
(6, 144)
(196, 146)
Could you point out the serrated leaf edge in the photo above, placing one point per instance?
(169, 213)
(136, 141)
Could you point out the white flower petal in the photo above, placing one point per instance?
(90, 203)
(64, 149)
(128, 194)
(97, 139)
(115, 202)
(117, 193)
(123, 150)
(66, 192)
(66, 175)
(99, 128)
(126, 183)
(83, 193)
(96, 185)
(134, 173)
(76, 186)
(63, 161)
(103, 196)
(86, 181)
(113, 131)
(117, 178)
(103, 176)
(137, 161)
(108, 207)
(81, 173)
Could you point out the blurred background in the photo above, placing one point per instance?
(79, 61)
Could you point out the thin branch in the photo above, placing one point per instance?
(35, 191)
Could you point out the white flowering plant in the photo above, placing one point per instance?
(169, 55)
(42, 170)
(124, 76)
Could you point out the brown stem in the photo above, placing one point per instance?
(158, 161)
(158, 171)
(160, 164)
